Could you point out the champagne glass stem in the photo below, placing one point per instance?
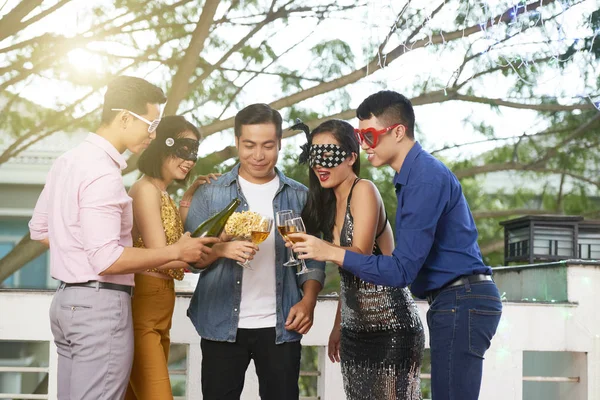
(245, 264)
(292, 262)
(304, 269)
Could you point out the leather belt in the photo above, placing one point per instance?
(460, 281)
(102, 285)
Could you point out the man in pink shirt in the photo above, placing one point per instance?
(84, 214)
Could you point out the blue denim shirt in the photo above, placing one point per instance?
(215, 306)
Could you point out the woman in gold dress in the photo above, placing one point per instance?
(158, 223)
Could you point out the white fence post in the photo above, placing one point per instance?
(330, 383)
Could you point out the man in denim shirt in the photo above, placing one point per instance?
(258, 313)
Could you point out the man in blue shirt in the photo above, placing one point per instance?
(257, 313)
(436, 249)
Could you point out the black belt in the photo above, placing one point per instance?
(463, 280)
(102, 285)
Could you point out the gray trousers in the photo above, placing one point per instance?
(93, 332)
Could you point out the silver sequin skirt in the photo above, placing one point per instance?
(382, 341)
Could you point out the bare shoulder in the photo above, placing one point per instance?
(142, 189)
(365, 190)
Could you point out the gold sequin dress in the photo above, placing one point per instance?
(173, 227)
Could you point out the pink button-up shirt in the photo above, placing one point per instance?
(85, 213)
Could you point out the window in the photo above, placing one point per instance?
(178, 355)
(36, 273)
(24, 367)
(554, 375)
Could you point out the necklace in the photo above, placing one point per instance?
(164, 192)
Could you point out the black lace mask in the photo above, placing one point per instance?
(184, 148)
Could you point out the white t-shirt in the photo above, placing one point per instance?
(258, 306)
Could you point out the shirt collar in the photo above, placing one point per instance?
(401, 176)
(105, 145)
(232, 176)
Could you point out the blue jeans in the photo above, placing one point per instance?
(462, 321)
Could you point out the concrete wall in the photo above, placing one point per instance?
(544, 351)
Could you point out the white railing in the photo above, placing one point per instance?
(572, 327)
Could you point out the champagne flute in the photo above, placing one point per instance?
(296, 225)
(282, 217)
(259, 234)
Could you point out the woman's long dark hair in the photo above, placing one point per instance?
(320, 209)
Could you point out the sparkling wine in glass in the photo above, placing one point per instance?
(259, 234)
(296, 225)
(281, 218)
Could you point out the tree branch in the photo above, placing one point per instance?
(578, 132)
(216, 158)
(345, 115)
(25, 251)
(513, 166)
(393, 28)
(375, 65)
(522, 106)
(11, 22)
(496, 139)
(559, 198)
(14, 148)
(239, 89)
(97, 32)
(187, 66)
(281, 74)
(19, 144)
(236, 47)
(492, 247)
(43, 14)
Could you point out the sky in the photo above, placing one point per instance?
(437, 124)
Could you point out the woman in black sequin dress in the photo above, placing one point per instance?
(377, 334)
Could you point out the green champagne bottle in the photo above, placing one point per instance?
(213, 226)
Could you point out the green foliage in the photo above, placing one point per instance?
(590, 42)
(289, 81)
(333, 57)
(288, 162)
(150, 39)
(309, 362)
(296, 112)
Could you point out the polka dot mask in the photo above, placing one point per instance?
(326, 155)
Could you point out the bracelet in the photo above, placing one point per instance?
(185, 203)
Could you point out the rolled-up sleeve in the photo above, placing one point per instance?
(38, 225)
(101, 208)
(198, 211)
(197, 214)
(317, 273)
(422, 207)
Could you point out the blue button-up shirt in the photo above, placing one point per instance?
(436, 237)
(215, 306)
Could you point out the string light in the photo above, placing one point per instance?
(495, 33)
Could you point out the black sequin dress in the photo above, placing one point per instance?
(382, 336)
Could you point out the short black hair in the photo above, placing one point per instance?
(255, 114)
(389, 107)
(131, 93)
(173, 126)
